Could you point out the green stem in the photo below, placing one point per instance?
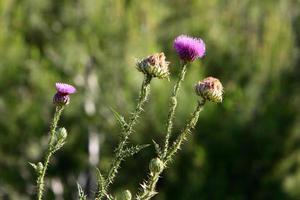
(173, 105)
(144, 92)
(189, 126)
(148, 189)
(41, 177)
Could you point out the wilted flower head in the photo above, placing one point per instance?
(154, 65)
(189, 48)
(62, 95)
(210, 89)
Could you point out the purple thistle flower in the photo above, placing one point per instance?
(189, 48)
(62, 95)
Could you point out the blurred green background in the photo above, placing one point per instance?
(246, 148)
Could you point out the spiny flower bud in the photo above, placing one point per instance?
(124, 195)
(154, 65)
(61, 134)
(62, 95)
(39, 168)
(210, 89)
(156, 165)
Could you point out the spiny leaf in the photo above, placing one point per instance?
(100, 182)
(120, 119)
(130, 151)
(58, 146)
(81, 194)
(157, 148)
(109, 197)
(32, 165)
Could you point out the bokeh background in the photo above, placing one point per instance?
(246, 148)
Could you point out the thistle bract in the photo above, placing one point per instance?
(189, 48)
(210, 89)
(154, 66)
(60, 99)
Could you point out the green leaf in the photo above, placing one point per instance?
(32, 165)
(130, 151)
(81, 194)
(120, 119)
(100, 182)
(157, 148)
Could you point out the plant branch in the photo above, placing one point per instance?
(50, 151)
(188, 127)
(119, 155)
(148, 187)
(173, 105)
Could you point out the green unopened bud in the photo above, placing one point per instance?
(61, 134)
(154, 65)
(39, 168)
(156, 165)
(124, 195)
(173, 101)
(210, 89)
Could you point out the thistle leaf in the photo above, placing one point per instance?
(157, 149)
(100, 182)
(120, 119)
(58, 146)
(32, 165)
(130, 151)
(81, 194)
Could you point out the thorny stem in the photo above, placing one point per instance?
(189, 126)
(173, 105)
(144, 92)
(148, 190)
(40, 179)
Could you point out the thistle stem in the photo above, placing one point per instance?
(144, 92)
(173, 105)
(148, 188)
(188, 127)
(41, 177)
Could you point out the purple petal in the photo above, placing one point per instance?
(189, 48)
(65, 89)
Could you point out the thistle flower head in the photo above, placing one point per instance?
(210, 89)
(154, 65)
(189, 48)
(62, 95)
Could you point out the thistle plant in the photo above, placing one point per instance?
(209, 89)
(188, 50)
(57, 136)
(152, 66)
